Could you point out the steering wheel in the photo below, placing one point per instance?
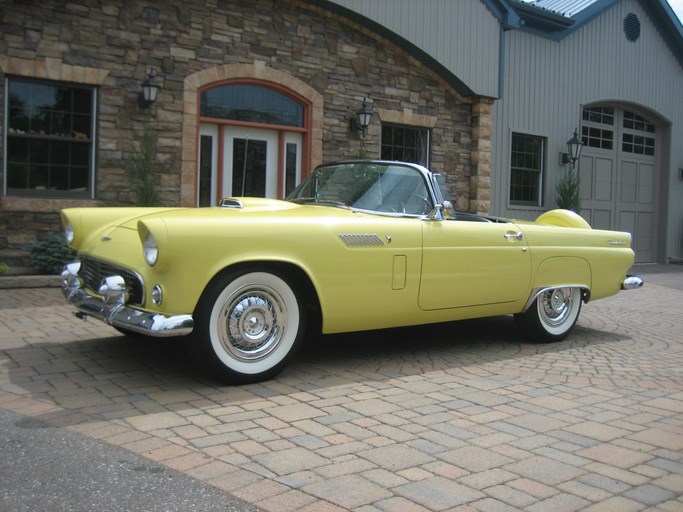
(418, 200)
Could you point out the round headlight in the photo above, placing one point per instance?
(151, 250)
(69, 233)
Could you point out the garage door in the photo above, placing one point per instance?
(619, 175)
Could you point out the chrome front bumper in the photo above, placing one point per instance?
(111, 307)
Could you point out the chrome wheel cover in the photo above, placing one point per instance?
(252, 323)
(555, 306)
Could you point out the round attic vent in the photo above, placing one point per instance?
(632, 27)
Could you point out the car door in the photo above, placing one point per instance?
(469, 263)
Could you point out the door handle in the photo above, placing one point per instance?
(519, 235)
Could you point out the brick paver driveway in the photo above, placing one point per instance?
(463, 416)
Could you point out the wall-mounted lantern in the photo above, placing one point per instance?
(150, 88)
(361, 121)
(574, 147)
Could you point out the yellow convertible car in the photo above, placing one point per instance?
(358, 245)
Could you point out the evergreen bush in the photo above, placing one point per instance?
(568, 190)
(142, 162)
(50, 255)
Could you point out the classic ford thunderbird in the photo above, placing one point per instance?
(359, 245)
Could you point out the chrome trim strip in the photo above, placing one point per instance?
(111, 308)
(541, 289)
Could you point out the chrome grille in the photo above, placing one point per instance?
(93, 271)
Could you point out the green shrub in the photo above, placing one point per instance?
(568, 191)
(142, 161)
(4, 267)
(50, 255)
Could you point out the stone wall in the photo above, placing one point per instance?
(20, 230)
(112, 46)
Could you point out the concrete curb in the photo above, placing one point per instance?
(7, 282)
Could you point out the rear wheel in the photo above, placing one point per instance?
(248, 325)
(552, 315)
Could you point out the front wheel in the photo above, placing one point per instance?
(248, 325)
(552, 315)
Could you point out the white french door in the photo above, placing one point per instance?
(250, 163)
(246, 162)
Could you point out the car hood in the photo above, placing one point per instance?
(236, 208)
(95, 223)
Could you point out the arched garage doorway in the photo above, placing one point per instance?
(620, 167)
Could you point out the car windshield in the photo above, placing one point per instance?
(380, 187)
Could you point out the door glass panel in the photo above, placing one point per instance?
(205, 168)
(249, 168)
(291, 151)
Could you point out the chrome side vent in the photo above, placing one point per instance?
(361, 240)
(229, 202)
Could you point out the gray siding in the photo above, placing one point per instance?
(547, 82)
(462, 35)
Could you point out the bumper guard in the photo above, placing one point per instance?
(631, 283)
(111, 307)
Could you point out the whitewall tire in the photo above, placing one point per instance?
(552, 315)
(248, 325)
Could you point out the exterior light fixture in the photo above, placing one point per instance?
(150, 88)
(574, 147)
(361, 121)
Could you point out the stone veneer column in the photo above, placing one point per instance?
(259, 71)
(480, 181)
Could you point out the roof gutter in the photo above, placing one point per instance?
(540, 18)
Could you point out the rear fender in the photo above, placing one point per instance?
(562, 272)
(563, 218)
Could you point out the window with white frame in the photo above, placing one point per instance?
(527, 158)
(597, 130)
(638, 136)
(48, 139)
(405, 143)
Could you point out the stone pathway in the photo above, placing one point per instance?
(456, 417)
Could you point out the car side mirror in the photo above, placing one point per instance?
(442, 212)
(449, 211)
(436, 213)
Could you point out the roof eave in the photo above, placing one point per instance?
(541, 18)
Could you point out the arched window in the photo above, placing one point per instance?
(251, 103)
(252, 142)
